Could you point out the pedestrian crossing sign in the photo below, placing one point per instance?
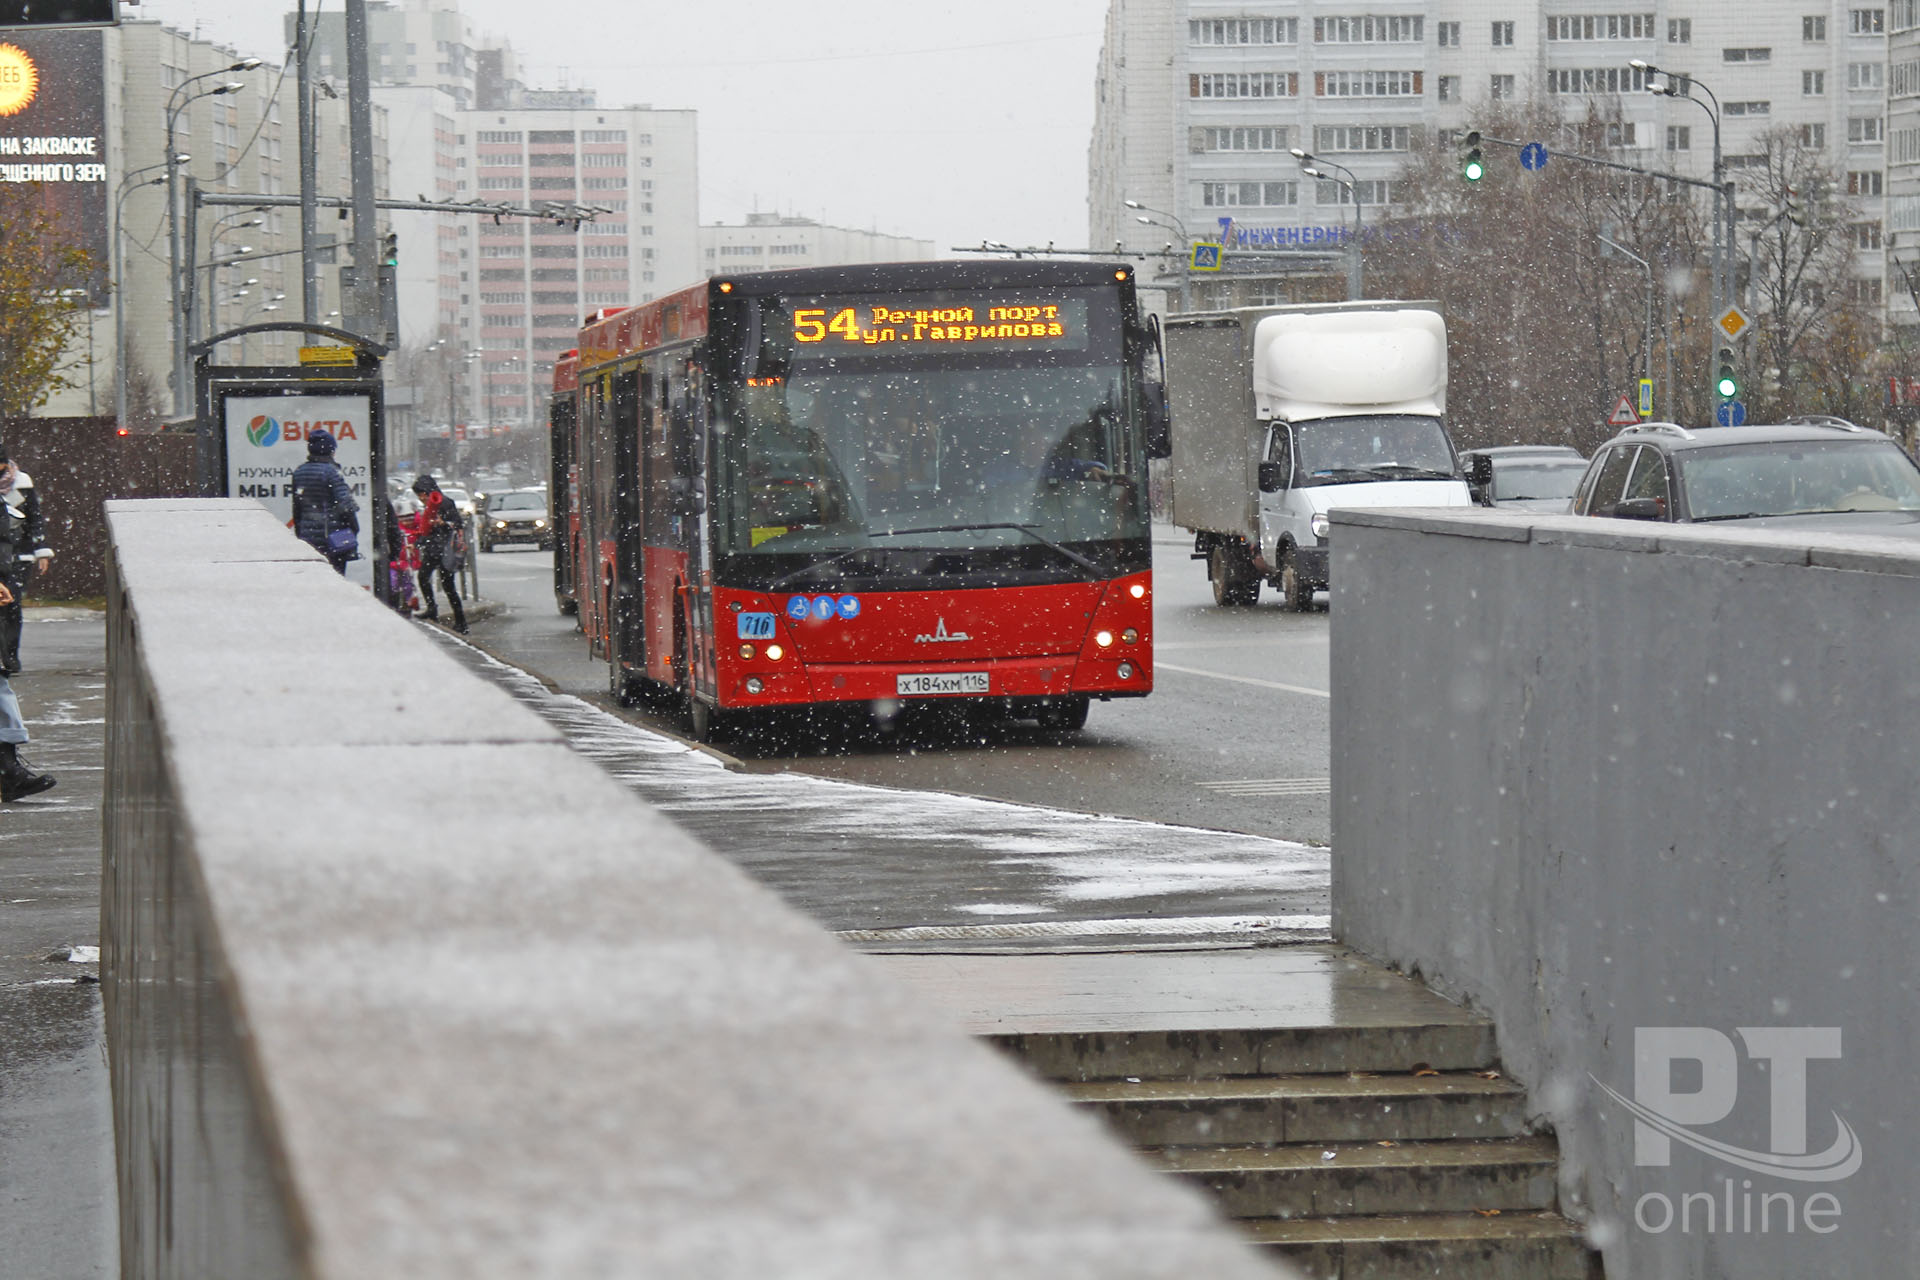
(1206, 257)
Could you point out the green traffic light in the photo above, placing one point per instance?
(1727, 387)
(1475, 167)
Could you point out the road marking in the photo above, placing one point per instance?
(1272, 787)
(1293, 928)
(1264, 684)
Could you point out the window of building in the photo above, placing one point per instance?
(1369, 190)
(1621, 134)
(1813, 84)
(550, 184)
(1903, 79)
(604, 160)
(1600, 26)
(1904, 147)
(1866, 129)
(1503, 35)
(498, 159)
(1906, 15)
(550, 159)
(1597, 80)
(1866, 22)
(1866, 75)
(1746, 55)
(604, 135)
(1366, 84)
(1679, 30)
(1866, 235)
(1500, 88)
(1813, 136)
(1448, 88)
(1230, 195)
(1864, 182)
(1448, 34)
(484, 135)
(1264, 138)
(1244, 31)
(1333, 138)
(1679, 137)
(1244, 84)
(603, 184)
(1864, 291)
(502, 299)
(1369, 30)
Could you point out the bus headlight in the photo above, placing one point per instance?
(1138, 590)
(746, 651)
(1319, 524)
(775, 653)
(1104, 639)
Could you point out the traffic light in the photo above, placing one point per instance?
(390, 249)
(1475, 168)
(1725, 381)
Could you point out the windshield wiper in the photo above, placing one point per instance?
(1341, 473)
(1027, 529)
(1737, 515)
(804, 570)
(1410, 471)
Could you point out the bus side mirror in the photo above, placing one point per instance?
(1158, 420)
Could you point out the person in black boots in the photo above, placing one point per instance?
(439, 533)
(17, 781)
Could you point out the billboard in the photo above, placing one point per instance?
(267, 439)
(53, 131)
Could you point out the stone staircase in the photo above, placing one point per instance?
(1384, 1150)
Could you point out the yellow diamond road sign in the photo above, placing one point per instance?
(1733, 322)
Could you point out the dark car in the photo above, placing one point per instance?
(1524, 477)
(1817, 474)
(520, 516)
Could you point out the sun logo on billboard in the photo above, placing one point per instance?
(263, 431)
(19, 80)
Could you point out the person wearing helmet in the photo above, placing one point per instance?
(324, 514)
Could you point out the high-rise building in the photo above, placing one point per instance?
(1199, 103)
(769, 241)
(527, 284)
(410, 42)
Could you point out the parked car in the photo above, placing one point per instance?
(1820, 474)
(520, 516)
(1524, 477)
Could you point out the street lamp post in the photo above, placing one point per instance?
(1356, 282)
(224, 226)
(175, 105)
(1682, 86)
(127, 187)
(1186, 242)
(1646, 341)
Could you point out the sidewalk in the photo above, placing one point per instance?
(57, 1214)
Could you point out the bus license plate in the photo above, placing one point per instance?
(946, 682)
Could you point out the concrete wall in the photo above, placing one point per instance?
(1595, 777)
(397, 985)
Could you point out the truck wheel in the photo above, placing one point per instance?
(1296, 592)
(1235, 584)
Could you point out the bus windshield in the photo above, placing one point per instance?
(1004, 454)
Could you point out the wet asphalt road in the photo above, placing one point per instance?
(1234, 737)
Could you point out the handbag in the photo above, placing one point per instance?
(343, 544)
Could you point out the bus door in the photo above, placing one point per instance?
(592, 573)
(675, 630)
(626, 626)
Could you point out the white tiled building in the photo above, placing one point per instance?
(1199, 101)
(526, 285)
(770, 241)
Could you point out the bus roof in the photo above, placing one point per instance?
(566, 372)
(683, 316)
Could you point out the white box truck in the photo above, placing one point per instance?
(1281, 414)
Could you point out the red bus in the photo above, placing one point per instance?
(873, 484)
(563, 485)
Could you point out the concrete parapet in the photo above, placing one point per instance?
(1647, 795)
(397, 985)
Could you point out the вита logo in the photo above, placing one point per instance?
(1663, 1114)
(263, 431)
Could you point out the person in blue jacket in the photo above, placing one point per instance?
(323, 502)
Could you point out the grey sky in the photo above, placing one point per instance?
(953, 121)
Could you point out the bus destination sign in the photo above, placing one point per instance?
(906, 326)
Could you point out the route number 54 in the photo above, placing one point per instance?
(812, 325)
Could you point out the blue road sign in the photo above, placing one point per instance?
(1206, 257)
(1731, 413)
(1533, 156)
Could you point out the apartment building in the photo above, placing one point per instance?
(1903, 164)
(771, 241)
(1199, 103)
(526, 285)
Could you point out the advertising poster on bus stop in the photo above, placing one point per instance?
(267, 439)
